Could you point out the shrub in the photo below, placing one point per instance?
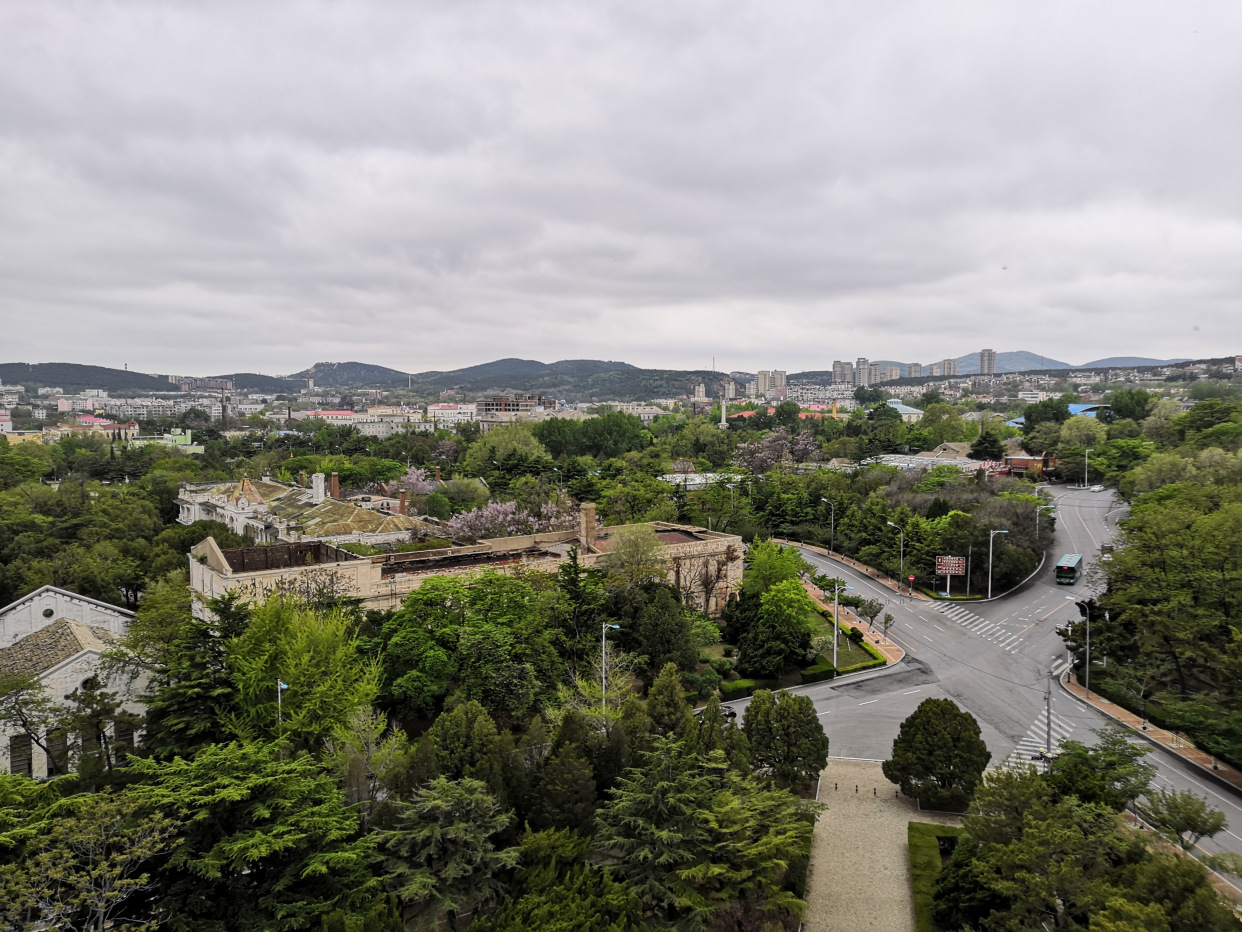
(818, 673)
(705, 683)
(740, 689)
(722, 666)
(728, 651)
(855, 635)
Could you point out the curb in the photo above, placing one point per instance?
(920, 596)
(1207, 772)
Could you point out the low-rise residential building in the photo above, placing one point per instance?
(908, 415)
(449, 415)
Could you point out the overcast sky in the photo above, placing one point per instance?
(218, 187)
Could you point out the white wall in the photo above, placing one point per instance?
(42, 607)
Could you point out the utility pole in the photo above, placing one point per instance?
(1048, 719)
(991, 537)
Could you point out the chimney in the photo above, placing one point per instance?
(317, 488)
(437, 474)
(401, 504)
(334, 487)
(302, 478)
(586, 525)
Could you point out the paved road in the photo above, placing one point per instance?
(994, 659)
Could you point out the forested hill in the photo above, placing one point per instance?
(74, 377)
(575, 379)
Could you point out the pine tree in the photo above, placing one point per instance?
(938, 755)
(441, 855)
(786, 739)
(191, 691)
(270, 845)
(467, 745)
(666, 702)
(566, 795)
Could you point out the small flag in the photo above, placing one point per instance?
(282, 685)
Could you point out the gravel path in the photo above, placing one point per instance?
(860, 859)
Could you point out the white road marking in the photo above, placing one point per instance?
(869, 701)
(909, 691)
(926, 638)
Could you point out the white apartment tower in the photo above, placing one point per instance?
(842, 372)
(987, 362)
(862, 371)
(948, 367)
(914, 370)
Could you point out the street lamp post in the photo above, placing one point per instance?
(836, 624)
(1086, 466)
(1086, 611)
(902, 555)
(832, 528)
(603, 664)
(991, 535)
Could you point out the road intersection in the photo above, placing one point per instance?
(996, 659)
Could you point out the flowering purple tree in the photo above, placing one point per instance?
(415, 482)
(506, 519)
(759, 456)
(804, 447)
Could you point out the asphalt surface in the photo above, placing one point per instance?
(996, 660)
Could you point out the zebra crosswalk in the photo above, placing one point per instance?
(981, 626)
(1035, 741)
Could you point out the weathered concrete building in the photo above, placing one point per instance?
(704, 566)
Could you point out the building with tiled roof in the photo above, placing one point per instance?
(268, 511)
(48, 604)
(62, 653)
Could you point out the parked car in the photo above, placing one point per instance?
(1097, 488)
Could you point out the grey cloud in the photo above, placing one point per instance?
(430, 185)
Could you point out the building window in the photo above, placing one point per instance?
(21, 755)
(58, 747)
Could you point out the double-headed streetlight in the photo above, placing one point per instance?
(832, 528)
(836, 623)
(991, 536)
(902, 571)
(603, 664)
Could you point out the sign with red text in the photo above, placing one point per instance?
(950, 566)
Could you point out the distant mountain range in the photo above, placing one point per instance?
(573, 379)
(73, 377)
(1114, 361)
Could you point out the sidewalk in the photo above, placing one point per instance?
(854, 564)
(1169, 741)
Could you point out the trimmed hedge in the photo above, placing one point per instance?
(818, 673)
(953, 598)
(924, 840)
(740, 689)
(863, 665)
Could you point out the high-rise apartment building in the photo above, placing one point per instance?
(891, 373)
(862, 371)
(987, 362)
(934, 370)
(842, 372)
(914, 370)
(875, 373)
(763, 383)
(778, 379)
(948, 367)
